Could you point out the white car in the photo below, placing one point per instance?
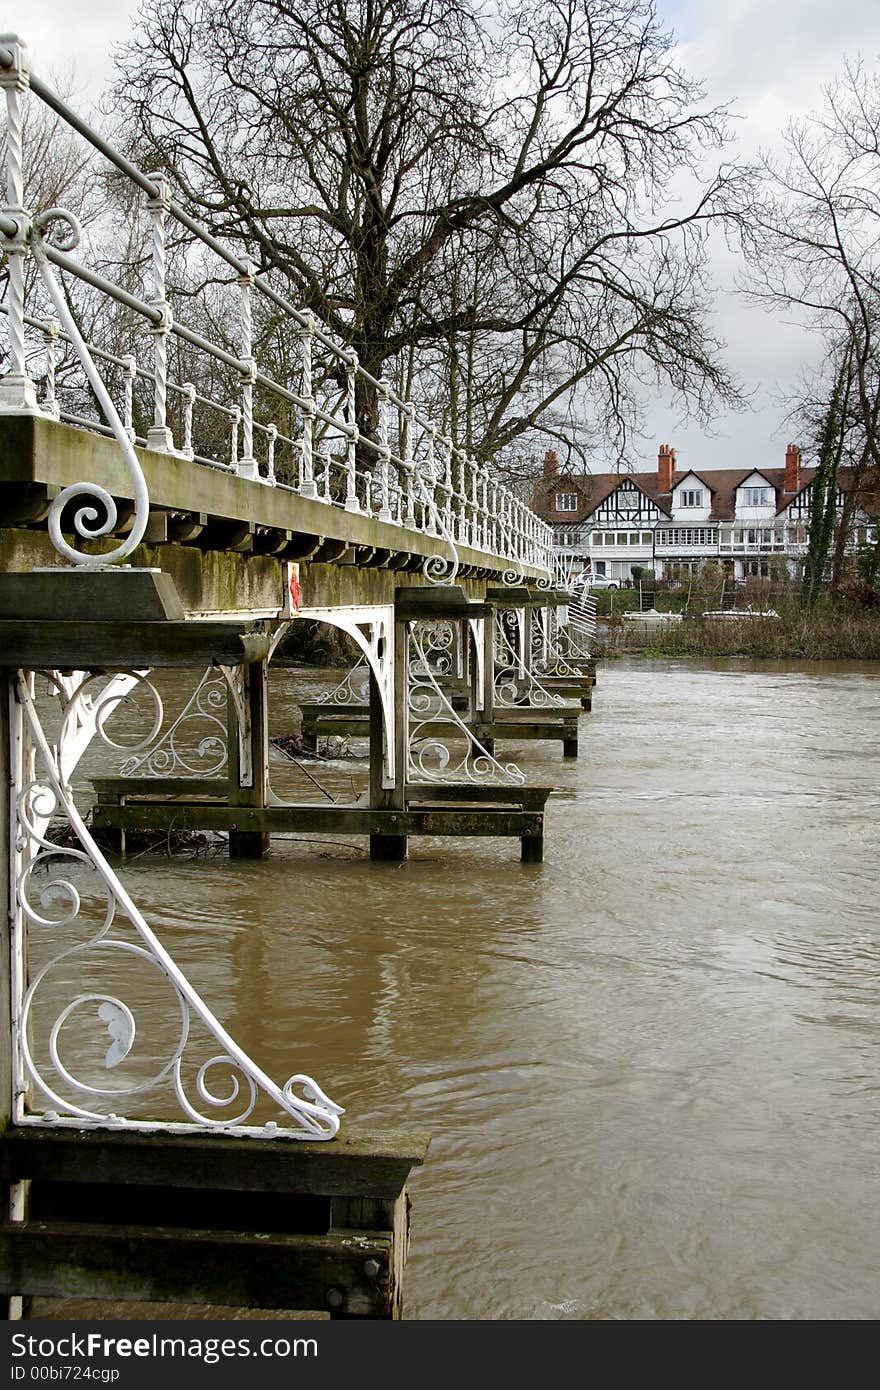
(595, 581)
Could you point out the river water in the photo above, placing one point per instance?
(649, 1065)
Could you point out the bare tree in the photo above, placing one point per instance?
(813, 244)
(483, 188)
(814, 234)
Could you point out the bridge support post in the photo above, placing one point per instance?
(488, 691)
(390, 847)
(249, 761)
(5, 902)
(484, 697)
(13, 1195)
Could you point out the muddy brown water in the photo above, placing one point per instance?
(649, 1065)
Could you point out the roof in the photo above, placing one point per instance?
(721, 482)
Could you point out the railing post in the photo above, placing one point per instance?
(189, 400)
(51, 333)
(384, 452)
(462, 495)
(493, 525)
(446, 486)
(513, 513)
(324, 456)
(409, 412)
(429, 480)
(247, 464)
(159, 435)
(17, 392)
(129, 373)
(483, 538)
(272, 432)
(352, 436)
(504, 531)
(233, 445)
(475, 505)
(306, 334)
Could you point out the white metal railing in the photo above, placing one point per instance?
(299, 434)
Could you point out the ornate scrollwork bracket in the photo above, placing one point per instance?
(430, 756)
(91, 931)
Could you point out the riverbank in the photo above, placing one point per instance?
(828, 634)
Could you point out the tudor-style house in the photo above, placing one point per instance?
(753, 521)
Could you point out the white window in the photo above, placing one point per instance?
(566, 502)
(598, 538)
(565, 536)
(688, 535)
(635, 538)
(756, 496)
(646, 538)
(628, 500)
(692, 497)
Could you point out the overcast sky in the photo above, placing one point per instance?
(767, 58)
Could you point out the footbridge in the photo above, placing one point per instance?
(171, 501)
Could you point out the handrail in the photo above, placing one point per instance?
(439, 489)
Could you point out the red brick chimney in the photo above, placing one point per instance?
(551, 463)
(665, 467)
(792, 468)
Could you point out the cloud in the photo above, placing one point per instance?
(71, 44)
(768, 58)
(771, 58)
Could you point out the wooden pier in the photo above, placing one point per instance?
(208, 1220)
(180, 804)
(553, 724)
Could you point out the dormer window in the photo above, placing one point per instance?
(566, 502)
(756, 496)
(692, 497)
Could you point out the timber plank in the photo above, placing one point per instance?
(317, 818)
(437, 601)
(117, 596)
(575, 681)
(114, 787)
(65, 1259)
(373, 1165)
(116, 646)
(530, 798)
(92, 1310)
(520, 596)
(522, 723)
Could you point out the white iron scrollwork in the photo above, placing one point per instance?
(430, 759)
(353, 689)
(88, 520)
(70, 896)
(195, 745)
(515, 685)
(548, 659)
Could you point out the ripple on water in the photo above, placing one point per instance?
(648, 1065)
